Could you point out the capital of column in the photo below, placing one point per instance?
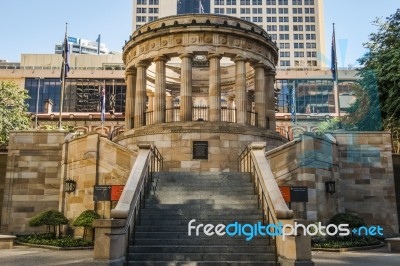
(131, 72)
(210, 56)
(239, 59)
(144, 64)
(186, 55)
(163, 58)
(270, 72)
(150, 94)
(257, 65)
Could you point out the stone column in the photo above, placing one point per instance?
(186, 103)
(259, 94)
(150, 108)
(240, 88)
(160, 86)
(270, 98)
(140, 99)
(214, 91)
(169, 116)
(130, 98)
(231, 109)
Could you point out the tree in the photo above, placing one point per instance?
(380, 76)
(85, 220)
(13, 110)
(48, 219)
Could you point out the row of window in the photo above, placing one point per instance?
(284, 10)
(286, 63)
(298, 45)
(144, 19)
(296, 36)
(142, 10)
(295, 28)
(295, 19)
(260, 2)
(298, 54)
(220, 10)
(144, 2)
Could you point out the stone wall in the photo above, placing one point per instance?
(32, 181)
(396, 169)
(3, 169)
(90, 160)
(175, 142)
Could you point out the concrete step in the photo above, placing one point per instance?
(227, 201)
(203, 263)
(184, 235)
(184, 222)
(201, 241)
(204, 175)
(201, 257)
(201, 193)
(201, 217)
(206, 182)
(200, 207)
(187, 211)
(193, 188)
(201, 249)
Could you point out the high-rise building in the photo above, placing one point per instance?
(296, 25)
(82, 46)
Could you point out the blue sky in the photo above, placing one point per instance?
(36, 26)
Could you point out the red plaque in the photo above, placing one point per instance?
(116, 192)
(285, 190)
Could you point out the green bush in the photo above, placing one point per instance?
(49, 240)
(344, 243)
(48, 219)
(346, 218)
(85, 220)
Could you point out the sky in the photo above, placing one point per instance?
(36, 26)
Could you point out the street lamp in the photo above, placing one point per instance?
(37, 103)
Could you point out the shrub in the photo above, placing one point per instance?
(85, 220)
(48, 219)
(347, 218)
(47, 239)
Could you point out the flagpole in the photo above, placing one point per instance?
(63, 82)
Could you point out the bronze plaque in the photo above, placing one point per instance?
(200, 149)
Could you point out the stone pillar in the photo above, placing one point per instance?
(186, 103)
(259, 94)
(169, 116)
(160, 86)
(270, 98)
(150, 109)
(240, 88)
(140, 99)
(231, 109)
(130, 98)
(214, 97)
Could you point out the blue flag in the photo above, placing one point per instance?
(65, 55)
(333, 55)
(103, 103)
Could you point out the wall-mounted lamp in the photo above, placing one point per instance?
(330, 187)
(70, 185)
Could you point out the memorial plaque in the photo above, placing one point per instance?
(116, 192)
(299, 194)
(200, 149)
(102, 193)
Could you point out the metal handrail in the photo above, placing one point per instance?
(247, 164)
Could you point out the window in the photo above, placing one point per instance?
(245, 2)
(246, 18)
(309, 2)
(219, 10)
(257, 2)
(297, 27)
(298, 36)
(271, 28)
(140, 19)
(283, 27)
(310, 36)
(283, 19)
(231, 2)
(257, 10)
(310, 27)
(140, 10)
(310, 19)
(298, 45)
(153, 10)
(297, 10)
(283, 2)
(219, 2)
(271, 19)
(274, 37)
(271, 2)
(297, 2)
(311, 63)
(153, 2)
(245, 11)
(283, 10)
(231, 10)
(311, 45)
(257, 19)
(283, 36)
(284, 63)
(284, 45)
(152, 18)
(297, 19)
(309, 10)
(311, 54)
(298, 54)
(141, 2)
(284, 54)
(271, 10)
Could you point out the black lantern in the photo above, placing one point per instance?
(330, 187)
(70, 185)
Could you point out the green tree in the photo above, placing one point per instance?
(49, 219)
(13, 110)
(85, 220)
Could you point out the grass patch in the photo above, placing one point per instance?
(49, 240)
(344, 242)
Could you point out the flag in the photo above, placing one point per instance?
(201, 8)
(65, 56)
(333, 56)
(293, 105)
(98, 44)
(103, 102)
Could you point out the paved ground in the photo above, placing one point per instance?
(21, 256)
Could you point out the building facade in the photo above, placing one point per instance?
(82, 46)
(296, 25)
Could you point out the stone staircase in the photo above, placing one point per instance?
(162, 237)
